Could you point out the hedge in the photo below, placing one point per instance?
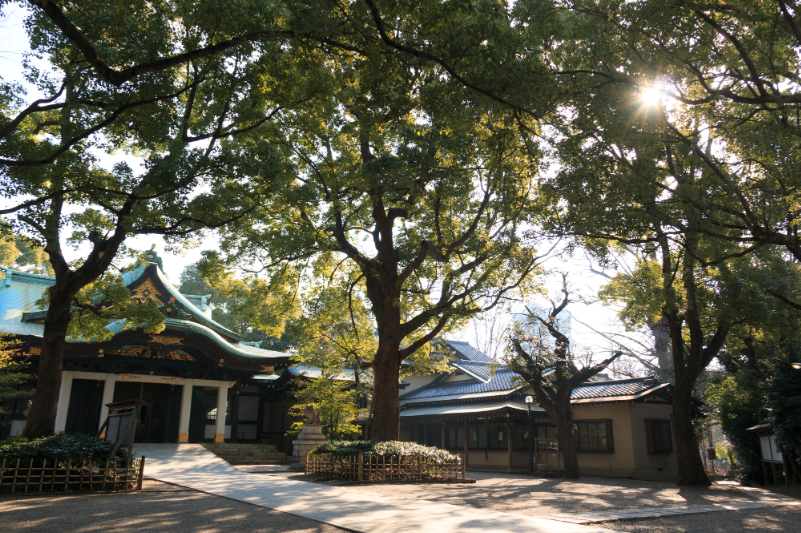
(389, 448)
(62, 447)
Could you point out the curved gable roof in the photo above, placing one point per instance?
(134, 279)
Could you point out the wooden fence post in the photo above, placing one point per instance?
(361, 468)
(141, 473)
(463, 467)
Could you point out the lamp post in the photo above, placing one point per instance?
(797, 366)
(529, 401)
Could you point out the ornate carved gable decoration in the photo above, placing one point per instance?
(164, 339)
(147, 289)
(147, 353)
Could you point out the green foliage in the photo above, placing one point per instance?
(335, 400)
(106, 300)
(740, 405)
(386, 449)
(12, 373)
(639, 292)
(62, 448)
(784, 402)
(271, 314)
(21, 254)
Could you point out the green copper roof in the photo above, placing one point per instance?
(131, 280)
(238, 352)
(25, 277)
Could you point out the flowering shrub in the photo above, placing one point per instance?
(62, 447)
(390, 449)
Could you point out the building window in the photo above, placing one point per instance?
(593, 436)
(487, 438)
(657, 435)
(456, 438)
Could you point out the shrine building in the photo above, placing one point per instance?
(204, 383)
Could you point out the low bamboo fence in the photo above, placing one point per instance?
(361, 467)
(50, 475)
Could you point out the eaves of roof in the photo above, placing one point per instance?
(623, 398)
(239, 352)
(26, 277)
(468, 396)
(470, 408)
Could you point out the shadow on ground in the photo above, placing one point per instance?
(521, 494)
(784, 520)
(159, 508)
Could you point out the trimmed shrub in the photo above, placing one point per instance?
(62, 448)
(389, 449)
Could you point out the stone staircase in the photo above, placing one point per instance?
(248, 454)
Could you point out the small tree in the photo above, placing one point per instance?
(335, 402)
(11, 374)
(547, 366)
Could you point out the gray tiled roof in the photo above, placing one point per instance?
(482, 370)
(506, 380)
(502, 380)
(604, 389)
(468, 352)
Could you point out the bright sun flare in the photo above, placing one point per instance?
(651, 96)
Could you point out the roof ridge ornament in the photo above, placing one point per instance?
(151, 256)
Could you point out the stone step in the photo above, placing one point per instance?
(236, 445)
(248, 454)
(240, 449)
(272, 457)
(266, 462)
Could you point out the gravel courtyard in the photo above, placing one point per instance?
(166, 508)
(158, 508)
(513, 493)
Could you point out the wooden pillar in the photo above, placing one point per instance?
(466, 441)
(260, 423)
(235, 415)
(443, 444)
(509, 446)
(222, 401)
(425, 434)
(63, 401)
(108, 397)
(186, 411)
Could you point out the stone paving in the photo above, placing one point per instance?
(190, 465)
(614, 515)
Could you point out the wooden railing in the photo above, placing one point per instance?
(360, 467)
(49, 475)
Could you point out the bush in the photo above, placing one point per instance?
(741, 405)
(62, 448)
(389, 449)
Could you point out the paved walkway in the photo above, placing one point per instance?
(613, 515)
(191, 465)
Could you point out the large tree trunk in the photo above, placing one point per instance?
(41, 420)
(564, 435)
(661, 332)
(386, 408)
(691, 467)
